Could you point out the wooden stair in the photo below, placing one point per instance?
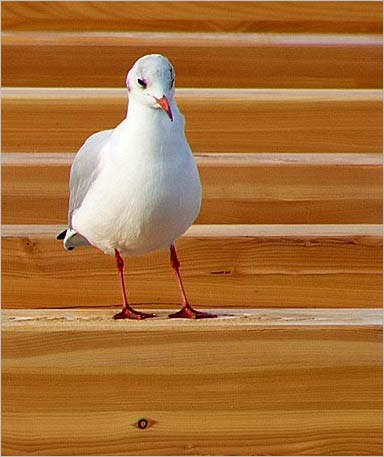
(257, 265)
(219, 120)
(283, 104)
(257, 188)
(272, 382)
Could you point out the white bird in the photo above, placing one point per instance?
(135, 189)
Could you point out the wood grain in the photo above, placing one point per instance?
(261, 60)
(292, 121)
(290, 17)
(293, 364)
(237, 188)
(77, 384)
(263, 266)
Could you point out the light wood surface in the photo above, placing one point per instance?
(77, 383)
(263, 266)
(291, 17)
(200, 60)
(45, 120)
(87, 319)
(237, 188)
(293, 364)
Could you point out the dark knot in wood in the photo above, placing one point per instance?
(142, 424)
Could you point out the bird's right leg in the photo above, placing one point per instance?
(186, 312)
(128, 312)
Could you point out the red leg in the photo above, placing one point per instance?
(186, 312)
(127, 312)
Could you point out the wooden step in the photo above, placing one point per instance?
(245, 60)
(218, 120)
(261, 382)
(210, 16)
(238, 188)
(311, 266)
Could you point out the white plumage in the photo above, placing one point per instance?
(136, 188)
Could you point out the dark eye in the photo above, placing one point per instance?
(141, 83)
(172, 78)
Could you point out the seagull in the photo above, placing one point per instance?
(136, 188)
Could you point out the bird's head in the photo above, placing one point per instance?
(151, 82)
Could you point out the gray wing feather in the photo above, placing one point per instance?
(85, 169)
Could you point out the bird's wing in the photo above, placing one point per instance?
(85, 169)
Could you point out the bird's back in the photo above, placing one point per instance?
(85, 169)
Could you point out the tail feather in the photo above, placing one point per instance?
(72, 239)
(61, 235)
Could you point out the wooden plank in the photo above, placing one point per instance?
(27, 319)
(218, 120)
(290, 17)
(238, 188)
(246, 385)
(102, 59)
(263, 266)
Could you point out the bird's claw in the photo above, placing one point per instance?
(187, 312)
(127, 313)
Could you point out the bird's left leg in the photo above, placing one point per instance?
(128, 312)
(186, 312)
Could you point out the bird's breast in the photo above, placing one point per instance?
(142, 205)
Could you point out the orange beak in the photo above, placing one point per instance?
(164, 103)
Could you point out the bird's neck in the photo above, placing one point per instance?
(151, 132)
(148, 117)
